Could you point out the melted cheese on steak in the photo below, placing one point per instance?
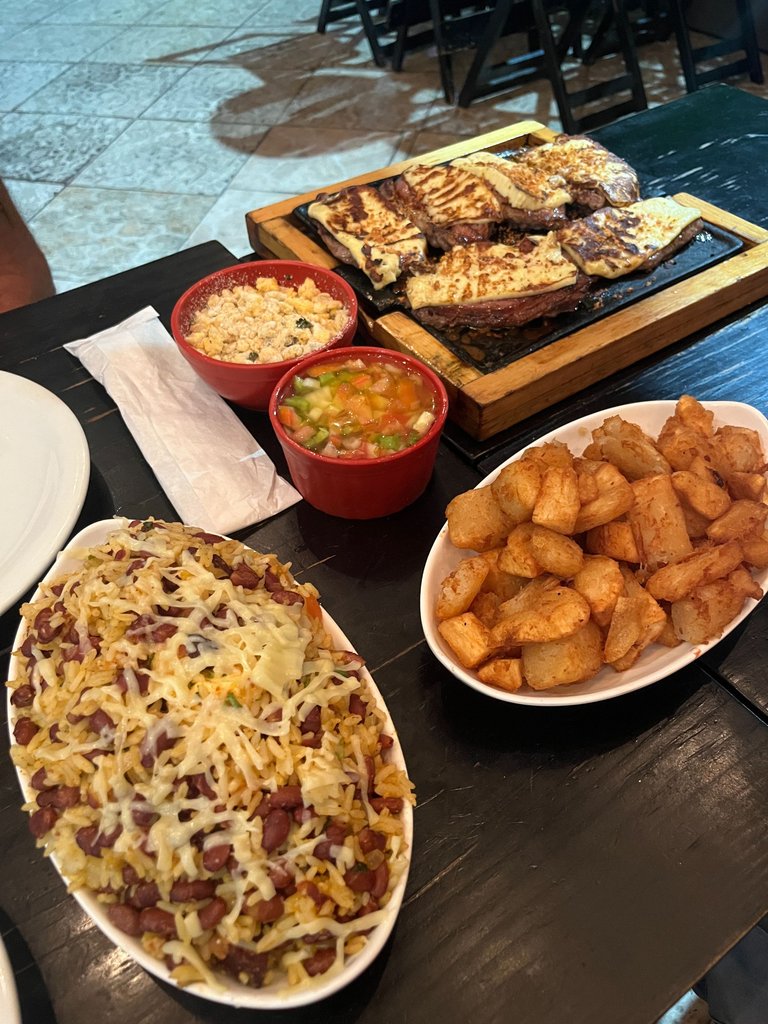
(521, 186)
(450, 195)
(377, 235)
(480, 273)
(611, 243)
(586, 165)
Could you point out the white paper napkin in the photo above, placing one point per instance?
(214, 472)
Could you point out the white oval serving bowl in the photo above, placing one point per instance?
(655, 662)
(231, 993)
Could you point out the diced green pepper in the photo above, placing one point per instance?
(232, 700)
(299, 403)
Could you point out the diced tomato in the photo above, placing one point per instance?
(288, 417)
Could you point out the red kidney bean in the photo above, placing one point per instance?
(93, 801)
(319, 962)
(200, 783)
(30, 641)
(42, 624)
(323, 937)
(280, 876)
(142, 680)
(351, 660)
(143, 895)
(275, 716)
(218, 563)
(244, 576)
(38, 779)
(188, 889)
(287, 597)
(267, 910)
(141, 816)
(277, 825)
(91, 755)
(337, 832)
(244, 961)
(208, 538)
(371, 840)
(357, 705)
(42, 821)
(24, 730)
(380, 880)
(46, 798)
(210, 915)
(215, 857)
(23, 696)
(286, 797)
(312, 722)
(60, 797)
(385, 741)
(126, 918)
(86, 839)
(360, 878)
(322, 850)
(151, 749)
(160, 922)
(53, 732)
(159, 631)
(130, 874)
(169, 587)
(303, 814)
(263, 809)
(394, 804)
(107, 840)
(370, 771)
(100, 720)
(313, 741)
(311, 890)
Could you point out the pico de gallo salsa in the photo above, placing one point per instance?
(356, 409)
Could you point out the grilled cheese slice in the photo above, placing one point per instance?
(611, 243)
(522, 187)
(482, 273)
(585, 165)
(378, 237)
(451, 195)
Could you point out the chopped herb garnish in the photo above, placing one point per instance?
(303, 322)
(232, 700)
(146, 527)
(360, 867)
(253, 357)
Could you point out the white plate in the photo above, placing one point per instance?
(655, 662)
(231, 993)
(44, 469)
(9, 1000)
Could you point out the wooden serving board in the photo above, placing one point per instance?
(484, 403)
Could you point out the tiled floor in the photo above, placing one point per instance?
(130, 129)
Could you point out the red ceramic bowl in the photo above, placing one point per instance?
(361, 488)
(251, 384)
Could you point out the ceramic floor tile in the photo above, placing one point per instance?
(301, 15)
(65, 43)
(30, 197)
(267, 52)
(363, 99)
(225, 221)
(52, 147)
(102, 12)
(26, 13)
(66, 284)
(89, 233)
(21, 80)
(170, 156)
(689, 1010)
(228, 94)
(302, 159)
(229, 13)
(117, 90)
(165, 44)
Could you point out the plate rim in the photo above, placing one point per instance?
(550, 698)
(48, 549)
(229, 994)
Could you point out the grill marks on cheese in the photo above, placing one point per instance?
(587, 167)
(610, 243)
(377, 236)
(479, 273)
(451, 195)
(523, 187)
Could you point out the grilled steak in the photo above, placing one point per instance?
(360, 227)
(451, 206)
(594, 176)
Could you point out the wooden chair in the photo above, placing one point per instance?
(744, 41)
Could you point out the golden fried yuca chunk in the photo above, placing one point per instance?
(747, 485)
(673, 582)
(554, 553)
(516, 489)
(499, 582)
(624, 630)
(705, 612)
(739, 449)
(743, 519)
(652, 615)
(572, 659)
(459, 589)
(506, 673)
(627, 447)
(475, 520)
(557, 504)
(616, 540)
(755, 551)
(542, 611)
(517, 557)
(614, 498)
(486, 607)
(637, 621)
(691, 413)
(658, 521)
(681, 444)
(701, 494)
(553, 453)
(468, 638)
(601, 584)
(695, 524)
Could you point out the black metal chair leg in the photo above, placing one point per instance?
(677, 12)
(749, 40)
(627, 45)
(322, 19)
(494, 26)
(552, 66)
(370, 32)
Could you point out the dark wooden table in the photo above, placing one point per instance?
(582, 865)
